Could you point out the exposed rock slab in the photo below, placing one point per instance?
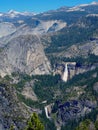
(24, 54)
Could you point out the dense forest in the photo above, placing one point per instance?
(46, 90)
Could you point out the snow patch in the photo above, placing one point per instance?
(1, 14)
(13, 13)
(76, 8)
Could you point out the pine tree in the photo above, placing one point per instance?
(35, 123)
(96, 125)
(12, 127)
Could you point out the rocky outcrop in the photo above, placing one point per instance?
(80, 50)
(36, 27)
(95, 87)
(6, 28)
(24, 54)
(12, 112)
(69, 69)
(73, 109)
(28, 92)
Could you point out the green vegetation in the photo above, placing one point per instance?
(12, 127)
(23, 79)
(82, 80)
(69, 17)
(49, 124)
(29, 102)
(73, 35)
(51, 88)
(46, 86)
(96, 124)
(70, 125)
(34, 123)
(80, 60)
(84, 125)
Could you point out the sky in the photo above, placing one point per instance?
(38, 5)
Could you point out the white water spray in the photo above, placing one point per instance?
(46, 111)
(65, 74)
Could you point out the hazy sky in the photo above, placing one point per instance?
(37, 5)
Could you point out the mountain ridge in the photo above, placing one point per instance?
(11, 11)
(36, 51)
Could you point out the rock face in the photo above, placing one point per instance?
(9, 30)
(24, 54)
(95, 87)
(23, 38)
(6, 29)
(49, 26)
(72, 109)
(12, 112)
(28, 92)
(69, 69)
(81, 50)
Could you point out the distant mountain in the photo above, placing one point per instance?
(70, 14)
(59, 25)
(66, 14)
(13, 13)
(36, 50)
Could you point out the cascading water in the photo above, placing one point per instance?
(46, 111)
(65, 74)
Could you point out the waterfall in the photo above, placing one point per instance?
(46, 111)
(65, 74)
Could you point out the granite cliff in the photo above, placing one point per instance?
(37, 51)
(24, 54)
